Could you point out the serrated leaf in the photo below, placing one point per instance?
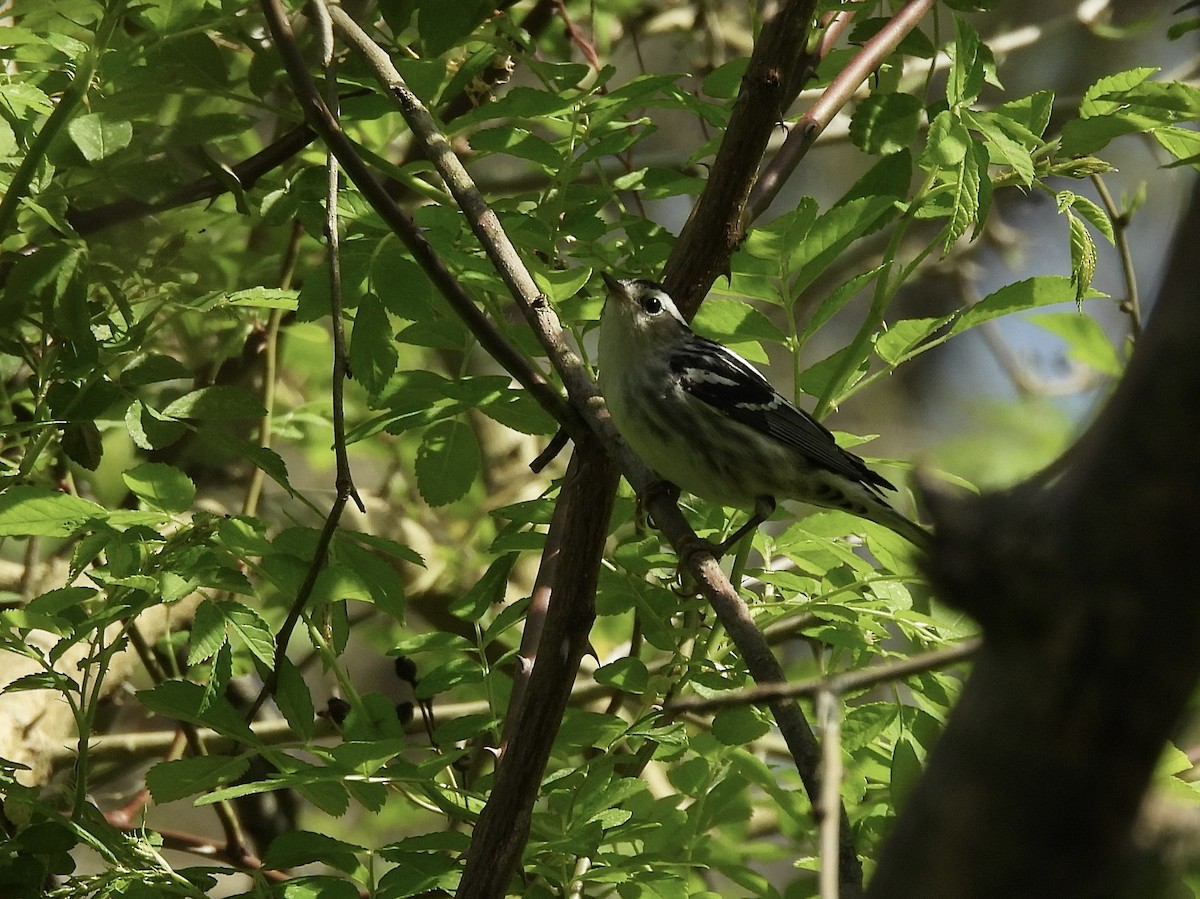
(150, 430)
(947, 142)
(1095, 216)
(162, 486)
(447, 462)
(97, 135)
(520, 143)
(153, 368)
(207, 634)
(886, 123)
(216, 622)
(82, 444)
(831, 233)
(964, 199)
(895, 343)
(1083, 256)
(373, 355)
(29, 511)
(299, 847)
(968, 68)
(187, 702)
(1042, 290)
(560, 286)
(180, 778)
(906, 770)
(444, 25)
(1002, 149)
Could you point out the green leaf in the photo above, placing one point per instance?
(517, 410)
(447, 462)
(1002, 149)
(894, 344)
(1042, 290)
(629, 674)
(180, 778)
(82, 444)
(292, 849)
(29, 511)
(1182, 143)
(208, 632)
(1086, 341)
(969, 64)
(187, 702)
(444, 25)
(886, 123)
(1095, 216)
(261, 298)
(449, 675)
(220, 403)
(216, 621)
(724, 82)
(149, 429)
(947, 142)
(733, 321)
(831, 233)
(1032, 113)
(739, 725)
(1103, 97)
(152, 368)
(317, 886)
(1083, 256)
(560, 286)
(294, 699)
(373, 355)
(97, 135)
(520, 143)
(906, 770)
(488, 590)
(162, 486)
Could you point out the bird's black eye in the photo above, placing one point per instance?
(652, 304)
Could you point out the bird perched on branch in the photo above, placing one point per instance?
(706, 420)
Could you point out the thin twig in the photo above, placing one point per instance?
(841, 684)
(1120, 223)
(344, 482)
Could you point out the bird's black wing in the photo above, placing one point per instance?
(732, 386)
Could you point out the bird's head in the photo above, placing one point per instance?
(641, 311)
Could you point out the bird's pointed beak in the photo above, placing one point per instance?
(613, 285)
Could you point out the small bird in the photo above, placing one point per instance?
(707, 420)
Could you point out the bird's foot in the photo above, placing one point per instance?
(647, 497)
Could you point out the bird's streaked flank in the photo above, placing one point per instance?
(707, 420)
